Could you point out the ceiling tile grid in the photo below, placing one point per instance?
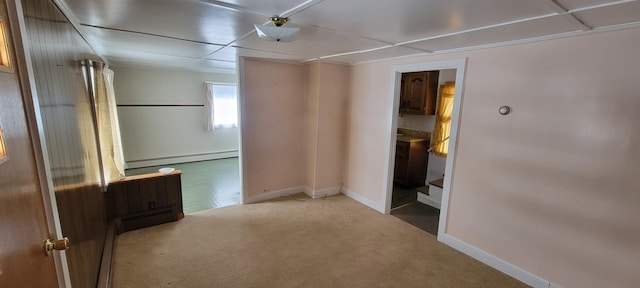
(623, 14)
(524, 30)
(206, 35)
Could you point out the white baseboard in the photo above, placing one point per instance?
(426, 199)
(181, 159)
(270, 195)
(322, 192)
(355, 196)
(495, 262)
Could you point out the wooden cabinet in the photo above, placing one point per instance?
(418, 92)
(145, 200)
(411, 163)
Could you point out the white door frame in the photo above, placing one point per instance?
(396, 74)
(244, 174)
(24, 68)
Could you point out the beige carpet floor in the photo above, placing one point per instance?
(336, 242)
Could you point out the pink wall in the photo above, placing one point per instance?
(313, 107)
(331, 105)
(556, 180)
(552, 188)
(273, 125)
(367, 130)
(292, 127)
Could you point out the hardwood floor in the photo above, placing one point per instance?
(205, 184)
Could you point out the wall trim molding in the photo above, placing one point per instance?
(181, 159)
(495, 262)
(319, 193)
(371, 204)
(270, 195)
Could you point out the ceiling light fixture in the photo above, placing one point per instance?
(277, 33)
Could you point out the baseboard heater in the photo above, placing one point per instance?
(145, 200)
(146, 219)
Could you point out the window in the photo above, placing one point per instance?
(222, 105)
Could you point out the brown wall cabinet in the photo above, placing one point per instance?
(411, 163)
(418, 92)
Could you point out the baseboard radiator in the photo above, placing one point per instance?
(145, 200)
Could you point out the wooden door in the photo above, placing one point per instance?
(23, 226)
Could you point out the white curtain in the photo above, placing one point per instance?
(209, 125)
(118, 154)
(109, 127)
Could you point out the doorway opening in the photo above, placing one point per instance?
(416, 145)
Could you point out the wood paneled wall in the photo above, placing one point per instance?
(56, 51)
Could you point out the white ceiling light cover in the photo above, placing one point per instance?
(279, 34)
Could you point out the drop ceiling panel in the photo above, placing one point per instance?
(612, 15)
(577, 4)
(192, 19)
(311, 42)
(266, 7)
(231, 54)
(150, 58)
(395, 21)
(215, 64)
(117, 62)
(390, 52)
(519, 31)
(106, 41)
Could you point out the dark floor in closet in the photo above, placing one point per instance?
(420, 215)
(403, 195)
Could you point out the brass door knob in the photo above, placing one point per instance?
(50, 245)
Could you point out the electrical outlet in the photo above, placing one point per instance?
(152, 205)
